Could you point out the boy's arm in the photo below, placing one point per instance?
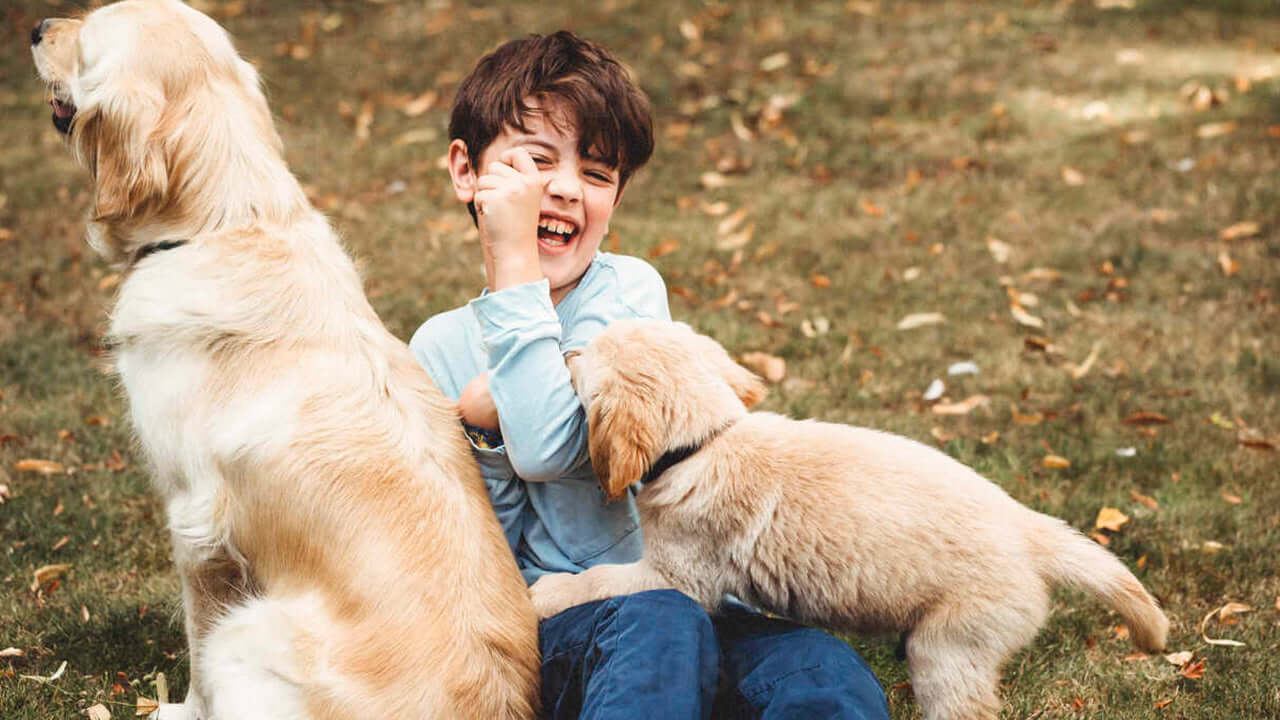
(542, 420)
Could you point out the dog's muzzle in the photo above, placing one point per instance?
(63, 114)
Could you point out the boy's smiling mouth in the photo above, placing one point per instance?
(555, 233)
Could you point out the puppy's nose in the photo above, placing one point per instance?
(37, 32)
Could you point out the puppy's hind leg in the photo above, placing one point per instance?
(955, 653)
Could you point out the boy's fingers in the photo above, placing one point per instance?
(501, 169)
(520, 159)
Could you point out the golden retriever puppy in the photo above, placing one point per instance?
(837, 526)
(337, 551)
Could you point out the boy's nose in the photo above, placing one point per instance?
(565, 185)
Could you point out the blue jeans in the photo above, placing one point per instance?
(658, 656)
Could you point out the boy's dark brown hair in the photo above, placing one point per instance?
(612, 114)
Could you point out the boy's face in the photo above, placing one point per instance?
(579, 198)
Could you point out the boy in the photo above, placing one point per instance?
(545, 132)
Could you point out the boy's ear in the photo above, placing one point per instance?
(461, 172)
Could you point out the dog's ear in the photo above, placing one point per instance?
(621, 438)
(746, 385)
(119, 142)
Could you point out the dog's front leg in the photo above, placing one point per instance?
(209, 587)
(558, 592)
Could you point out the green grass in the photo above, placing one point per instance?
(918, 131)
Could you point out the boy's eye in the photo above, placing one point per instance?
(541, 160)
(601, 176)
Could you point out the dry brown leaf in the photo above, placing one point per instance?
(1072, 176)
(820, 281)
(47, 573)
(1144, 499)
(364, 121)
(1217, 612)
(999, 250)
(1213, 130)
(870, 208)
(1162, 704)
(44, 467)
(1146, 417)
(775, 62)
(1232, 499)
(961, 408)
(1079, 371)
(98, 712)
(1042, 273)
(1110, 518)
(737, 240)
(916, 320)
(665, 247)
(1055, 462)
(732, 222)
(1099, 538)
(712, 180)
(990, 438)
(1229, 267)
(1179, 658)
(420, 104)
(942, 436)
(1239, 230)
(770, 367)
(1028, 419)
(1233, 608)
(41, 678)
(62, 542)
(1025, 318)
(145, 706)
(1192, 670)
(4, 493)
(13, 652)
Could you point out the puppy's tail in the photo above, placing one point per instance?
(1067, 557)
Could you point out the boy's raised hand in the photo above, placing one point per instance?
(508, 201)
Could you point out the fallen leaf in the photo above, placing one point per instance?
(1213, 130)
(1028, 419)
(364, 120)
(942, 436)
(934, 391)
(420, 104)
(770, 367)
(1056, 462)
(1179, 658)
(1144, 499)
(870, 208)
(13, 652)
(1219, 641)
(1077, 703)
(999, 250)
(1239, 230)
(990, 437)
(1217, 419)
(1162, 704)
(774, 62)
(1192, 670)
(1042, 273)
(61, 543)
(1232, 499)
(1110, 518)
(98, 712)
(4, 493)
(145, 706)
(46, 573)
(736, 240)
(1079, 371)
(820, 281)
(916, 320)
(961, 408)
(44, 467)
(1146, 417)
(1072, 176)
(1100, 538)
(40, 678)
(712, 180)
(1025, 318)
(1229, 267)
(1232, 608)
(665, 247)
(732, 222)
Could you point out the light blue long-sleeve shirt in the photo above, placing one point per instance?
(539, 479)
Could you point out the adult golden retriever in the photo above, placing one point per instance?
(829, 524)
(336, 547)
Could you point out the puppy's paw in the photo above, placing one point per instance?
(555, 593)
(174, 711)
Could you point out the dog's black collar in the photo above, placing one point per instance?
(674, 456)
(154, 247)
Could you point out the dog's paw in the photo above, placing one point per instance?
(554, 593)
(174, 711)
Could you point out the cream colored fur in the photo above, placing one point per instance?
(833, 525)
(336, 547)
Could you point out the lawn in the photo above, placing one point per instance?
(1080, 198)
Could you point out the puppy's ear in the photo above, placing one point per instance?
(118, 141)
(746, 385)
(621, 438)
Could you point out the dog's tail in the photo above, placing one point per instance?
(1067, 557)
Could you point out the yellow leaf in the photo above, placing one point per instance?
(916, 320)
(1056, 462)
(1239, 230)
(1025, 318)
(1110, 518)
(1229, 267)
(44, 467)
(46, 573)
(961, 408)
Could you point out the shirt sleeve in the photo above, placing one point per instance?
(543, 423)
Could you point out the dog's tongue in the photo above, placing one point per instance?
(61, 109)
